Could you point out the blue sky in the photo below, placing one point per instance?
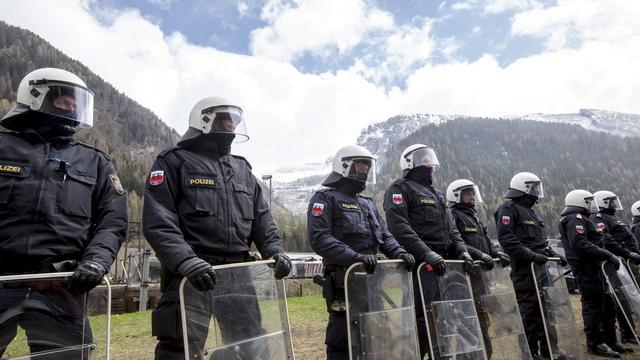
(227, 25)
(311, 74)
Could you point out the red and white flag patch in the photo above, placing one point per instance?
(601, 226)
(506, 220)
(317, 209)
(397, 199)
(580, 229)
(156, 178)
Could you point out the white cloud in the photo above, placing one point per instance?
(493, 6)
(243, 9)
(316, 26)
(294, 117)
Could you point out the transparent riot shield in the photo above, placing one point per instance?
(41, 320)
(452, 323)
(498, 313)
(634, 271)
(569, 278)
(559, 322)
(625, 292)
(380, 312)
(244, 317)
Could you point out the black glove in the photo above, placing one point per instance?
(86, 276)
(551, 253)
(468, 262)
(199, 273)
(487, 261)
(370, 262)
(437, 263)
(539, 258)
(409, 261)
(634, 258)
(505, 260)
(613, 260)
(282, 266)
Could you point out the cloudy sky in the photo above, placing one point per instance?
(310, 74)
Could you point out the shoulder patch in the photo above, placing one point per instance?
(397, 199)
(580, 229)
(115, 181)
(156, 177)
(601, 227)
(506, 220)
(317, 209)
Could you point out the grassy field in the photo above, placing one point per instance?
(131, 333)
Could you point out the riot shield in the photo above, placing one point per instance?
(570, 280)
(244, 317)
(41, 320)
(559, 322)
(634, 271)
(380, 312)
(625, 292)
(498, 313)
(453, 328)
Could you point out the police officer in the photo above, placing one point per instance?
(585, 248)
(635, 211)
(62, 208)
(204, 207)
(344, 228)
(613, 227)
(522, 235)
(462, 196)
(419, 218)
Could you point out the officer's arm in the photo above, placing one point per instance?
(505, 221)
(577, 230)
(264, 232)
(110, 220)
(319, 226)
(390, 246)
(611, 244)
(397, 215)
(457, 243)
(622, 232)
(161, 225)
(493, 248)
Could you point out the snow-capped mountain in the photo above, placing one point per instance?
(296, 184)
(615, 123)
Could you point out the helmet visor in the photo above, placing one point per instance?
(592, 204)
(467, 193)
(226, 120)
(613, 203)
(425, 157)
(362, 169)
(64, 100)
(534, 188)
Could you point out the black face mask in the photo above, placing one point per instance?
(50, 127)
(527, 200)
(422, 175)
(222, 140)
(608, 211)
(350, 186)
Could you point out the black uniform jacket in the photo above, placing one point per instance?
(421, 221)
(200, 204)
(583, 242)
(58, 202)
(474, 232)
(341, 226)
(521, 232)
(615, 228)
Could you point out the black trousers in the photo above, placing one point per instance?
(598, 308)
(529, 307)
(52, 318)
(238, 318)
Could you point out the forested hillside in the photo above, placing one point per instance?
(491, 151)
(131, 134)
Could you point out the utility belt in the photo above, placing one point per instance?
(332, 283)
